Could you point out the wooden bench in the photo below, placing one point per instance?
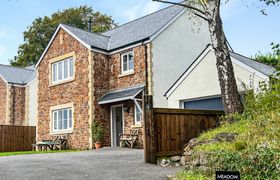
(129, 139)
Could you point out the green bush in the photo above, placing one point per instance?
(252, 163)
(255, 153)
(97, 132)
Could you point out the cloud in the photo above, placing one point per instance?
(139, 8)
(2, 50)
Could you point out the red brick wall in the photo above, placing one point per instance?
(3, 98)
(75, 92)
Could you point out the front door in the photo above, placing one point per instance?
(117, 124)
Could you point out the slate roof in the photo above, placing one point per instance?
(263, 68)
(93, 39)
(141, 28)
(15, 75)
(121, 95)
(131, 32)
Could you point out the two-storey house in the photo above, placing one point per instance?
(85, 77)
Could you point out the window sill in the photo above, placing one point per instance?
(126, 74)
(62, 82)
(137, 125)
(62, 132)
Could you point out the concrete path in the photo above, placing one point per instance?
(106, 163)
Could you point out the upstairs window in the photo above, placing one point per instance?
(127, 63)
(62, 70)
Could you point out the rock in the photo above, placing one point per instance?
(171, 177)
(229, 137)
(175, 158)
(177, 164)
(183, 160)
(203, 158)
(188, 153)
(163, 162)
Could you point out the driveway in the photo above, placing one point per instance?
(106, 163)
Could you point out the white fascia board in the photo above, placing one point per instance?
(115, 100)
(166, 25)
(3, 79)
(99, 51)
(54, 35)
(186, 73)
(125, 48)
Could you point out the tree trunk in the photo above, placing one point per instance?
(229, 91)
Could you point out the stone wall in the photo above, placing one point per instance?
(107, 77)
(3, 99)
(117, 81)
(101, 87)
(17, 106)
(75, 92)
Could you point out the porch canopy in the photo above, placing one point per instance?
(122, 95)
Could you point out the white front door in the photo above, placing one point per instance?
(117, 124)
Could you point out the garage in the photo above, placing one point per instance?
(214, 103)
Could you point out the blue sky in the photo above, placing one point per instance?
(247, 30)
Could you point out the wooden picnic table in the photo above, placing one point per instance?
(44, 145)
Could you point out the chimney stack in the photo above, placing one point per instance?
(89, 24)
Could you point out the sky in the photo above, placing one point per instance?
(247, 30)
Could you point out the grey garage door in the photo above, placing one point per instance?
(205, 104)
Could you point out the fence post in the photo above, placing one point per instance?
(149, 131)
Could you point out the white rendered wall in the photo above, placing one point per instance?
(173, 50)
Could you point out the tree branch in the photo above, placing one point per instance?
(184, 5)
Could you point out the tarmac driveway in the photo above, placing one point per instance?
(106, 163)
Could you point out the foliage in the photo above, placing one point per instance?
(38, 34)
(255, 153)
(272, 59)
(97, 132)
(190, 175)
(33, 152)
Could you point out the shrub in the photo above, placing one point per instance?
(97, 132)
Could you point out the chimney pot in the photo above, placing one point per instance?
(89, 24)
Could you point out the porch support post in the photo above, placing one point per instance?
(137, 104)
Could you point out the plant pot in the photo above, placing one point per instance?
(98, 145)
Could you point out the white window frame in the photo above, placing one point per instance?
(69, 112)
(135, 116)
(69, 77)
(122, 65)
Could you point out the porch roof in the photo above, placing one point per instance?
(121, 95)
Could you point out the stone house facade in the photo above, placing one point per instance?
(85, 77)
(15, 87)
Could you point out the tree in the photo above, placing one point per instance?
(38, 34)
(272, 59)
(209, 10)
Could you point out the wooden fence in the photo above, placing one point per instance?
(168, 130)
(17, 138)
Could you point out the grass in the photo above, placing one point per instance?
(33, 152)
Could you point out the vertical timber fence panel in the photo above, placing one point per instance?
(168, 130)
(17, 138)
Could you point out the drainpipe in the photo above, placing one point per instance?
(13, 92)
(146, 69)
